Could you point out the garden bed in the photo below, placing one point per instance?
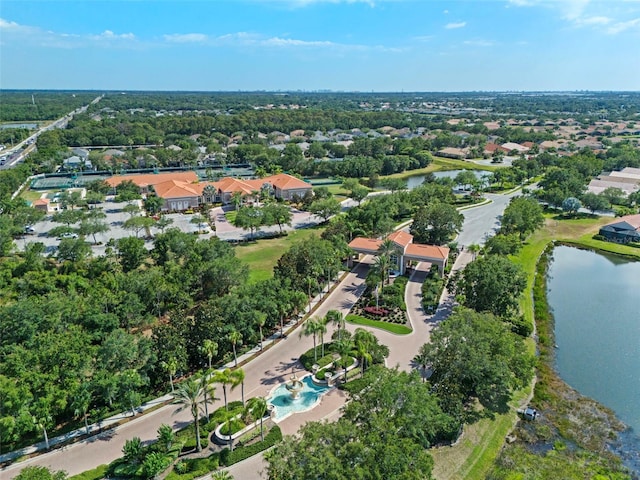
(389, 308)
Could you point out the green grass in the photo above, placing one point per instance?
(389, 327)
(231, 216)
(95, 474)
(30, 195)
(263, 255)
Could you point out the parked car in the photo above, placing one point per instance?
(29, 230)
(68, 235)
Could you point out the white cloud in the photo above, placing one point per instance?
(292, 42)
(596, 20)
(186, 38)
(453, 25)
(622, 26)
(109, 35)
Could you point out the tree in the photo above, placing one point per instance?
(595, 203)
(137, 224)
(337, 318)
(476, 355)
(492, 284)
(171, 367)
(198, 220)
(422, 360)
(163, 222)
(310, 328)
(131, 252)
(224, 378)
(221, 475)
(131, 209)
(236, 199)
(189, 396)
(93, 224)
(523, 215)
(394, 184)
(210, 349)
(571, 205)
(325, 208)
(153, 204)
(249, 218)
(235, 337)
(503, 244)
(34, 472)
(80, 404)
(238, 379)
(257, 407)
(277, 214)
(614, 195)
(166, 437)
(364, 342)
(358, 193)
(261, 319)
(73, 250)
(436, 223)
(68, 217)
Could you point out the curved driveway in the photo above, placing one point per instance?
(275, 365)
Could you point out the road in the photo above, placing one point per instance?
(26, 146)
(274, 366)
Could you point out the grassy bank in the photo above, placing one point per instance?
(481, 447)
(569, 441)
(388, 326)
(262, 255)
(442, 164)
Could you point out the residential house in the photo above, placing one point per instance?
(626, 230)
(405, 250)
(451, 152)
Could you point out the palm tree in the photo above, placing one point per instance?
(283, 309)
(363, 342)
(382, 266)
(189, 396)
(310, 282)
(208, 391)
(257, 407)
(344, 346)
(210, 349)
(171, 366)
(235, 337)
(236, 199)
(238, 379)
(311, 328)
(322, 329)
(337, 318)
(81, 403)
(224, 378)
(221, 475)
(386, 250)
(422, 360)
(261, 319)
(474, 249)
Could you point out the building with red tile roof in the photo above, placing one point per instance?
(183, 190)
(405, 250)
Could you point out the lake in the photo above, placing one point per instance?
(28, 126)
(595, 300)
(413, 182)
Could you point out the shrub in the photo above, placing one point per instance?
(379, 311)
(228, 457)
(97, 473)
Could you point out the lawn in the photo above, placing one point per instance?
(262, 255)
(30, 195)
(231, 216)
(388, 326)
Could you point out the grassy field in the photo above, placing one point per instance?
(262, 255)
(389, 327)
(30, 195)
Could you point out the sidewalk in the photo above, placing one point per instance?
(115, 421)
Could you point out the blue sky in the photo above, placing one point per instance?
(381, 45)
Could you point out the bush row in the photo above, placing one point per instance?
(431, 290)
(228, 457)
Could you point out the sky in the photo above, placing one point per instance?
(342, 45)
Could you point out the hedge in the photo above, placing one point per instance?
(228, 457)
(195, 467)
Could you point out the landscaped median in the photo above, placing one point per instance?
(389, 327)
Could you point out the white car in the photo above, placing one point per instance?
(68, 235)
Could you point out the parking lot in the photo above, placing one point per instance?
(115, 219)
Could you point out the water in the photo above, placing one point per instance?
(596, 304)
(413, 182)
(307, 399)
(28, 126)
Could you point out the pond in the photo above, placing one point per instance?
(414, 181)
(595, 300)
(28, 126)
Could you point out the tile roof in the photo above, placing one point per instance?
(177, 189)
(147, 179)
(361, 243)
(401, 238)
(429, 251)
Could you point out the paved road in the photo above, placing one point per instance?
(275, 365)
